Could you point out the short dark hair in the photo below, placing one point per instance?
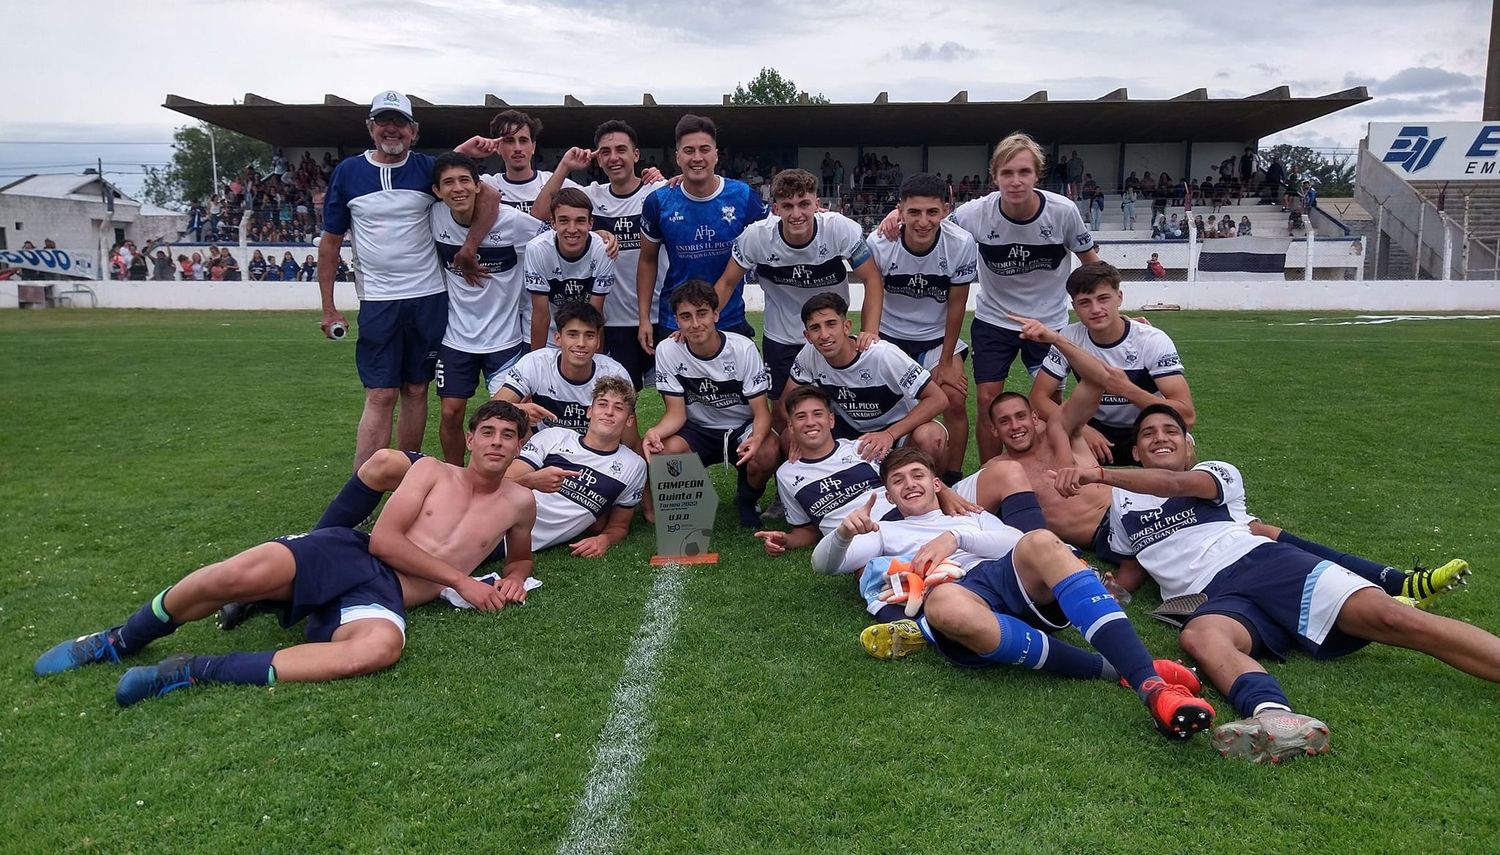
(573, 198)
(585, 312)
(615, 126)
(1154, 409)
(924, 184)
(1091, 276)
(694, 292)
(792, 182)
(1006, 396)
(802, 393)
(453, 160)
(905, 456)
(514, 120)
(691, 124)
(613, 384)
(826, 300)
(505, 411)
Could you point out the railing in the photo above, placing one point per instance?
(1438, 245)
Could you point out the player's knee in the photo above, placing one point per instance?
(1037, 546)
(454, 409)
(944, 608)
(385, 469)
(1392, 620)
(374, 652)
(1007, 475)
(384, 398)
(414, 390)
(931, 438)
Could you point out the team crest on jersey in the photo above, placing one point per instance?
(729, 369)
(942, 265)
(615, 467)
(822, 251)
(1131, 356)
(1046, 232)
(728, 211)
(864, 375)
(496, 236)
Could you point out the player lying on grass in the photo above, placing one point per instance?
(1022, 583)
(1188, 527)
(1082, 519)
(352, 589)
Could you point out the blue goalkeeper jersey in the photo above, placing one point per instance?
(698, 235)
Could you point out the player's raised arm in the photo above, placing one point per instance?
(573, 159)
(733, 273)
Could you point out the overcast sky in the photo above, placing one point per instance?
(90, 82)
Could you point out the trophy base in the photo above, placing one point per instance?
(663, 560)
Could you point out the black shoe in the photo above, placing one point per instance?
(232, 615)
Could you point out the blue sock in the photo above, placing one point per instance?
(890, 612)
(1254, 689)
(1096, 614)
(1023, 644)
(1020, 510)
(248, 669)
(1388, 578)
(149, 623)
(353, 505)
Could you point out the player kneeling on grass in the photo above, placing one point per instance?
(1021, 583)
(1188, 527)
(714, 387)
(351, 588)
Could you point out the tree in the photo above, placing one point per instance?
(769, 87)
(189, 177)
(1333, 175)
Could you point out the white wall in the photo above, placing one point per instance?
(909, 157)
(1153, 158)
(1101, 161)
(1208, 156)
(1394, 296)
(810, 157)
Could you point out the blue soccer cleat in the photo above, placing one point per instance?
(153, 681)
(102, 646)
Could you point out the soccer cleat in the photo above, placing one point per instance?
(776, 510)
(1178, 714)
(1405, 601)
(1424, 585)
(1271, 736)
(892, 640)
(1175, 673)
(232, 615)
(153, 681)
(99, 647)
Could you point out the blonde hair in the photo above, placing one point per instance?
(1017, 143)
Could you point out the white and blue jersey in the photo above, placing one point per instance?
(605, 480)
(484, 318)
(917, 284)
(874, 391)
(698, 234)
(716, 389)
(384, 208)
(790, 275)
(821, 491)
(1184, 541)
(1024, 264)
(621, 215)
(1144, 353)
(538, 377)
(563, 280)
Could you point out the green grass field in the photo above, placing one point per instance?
(136, 446)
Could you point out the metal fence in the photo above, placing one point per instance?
(1414, 238)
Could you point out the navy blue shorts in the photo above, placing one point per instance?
(925, 353)
(995, 348)
(1286, 597)
(458, 371)
(779, 359)
(996, 583)
(708, 443)
(623, 345)
(1100, 544)
(339, 581)
(398, 340)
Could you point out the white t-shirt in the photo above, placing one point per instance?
(487, 318)
(384, 207)
(564, 280)
(1024, 266)
(622, 216)
(604, 480)
(716, 389)
(917, 286)
(790, 275)
(1183, 542)
(538, 376)
(522, 194)
(981, 537)
(871, 393)
(822, 491)
(1144, 353)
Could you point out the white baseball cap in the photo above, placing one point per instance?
(390, 100)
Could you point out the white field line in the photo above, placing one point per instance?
(598, 818)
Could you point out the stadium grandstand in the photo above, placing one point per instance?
(1170, 160)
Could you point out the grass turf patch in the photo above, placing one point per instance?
(136, 446)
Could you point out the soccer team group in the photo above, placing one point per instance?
(564, 298)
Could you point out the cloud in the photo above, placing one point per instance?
(929, 52)
(1439, 104)
(1267, 70)
(1414, 80)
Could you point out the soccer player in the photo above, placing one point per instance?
(1025, 236)
(1142, 362)
(927, 269)
(617, 209)
(351, 588)
(1020, 585)
(714, 386)
(513, 136)
(1188, 527)
(798, 254)
(697, 223)
(383, 199)
(883, 397)
(570, 265)
(484, 325)
(555, 385)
